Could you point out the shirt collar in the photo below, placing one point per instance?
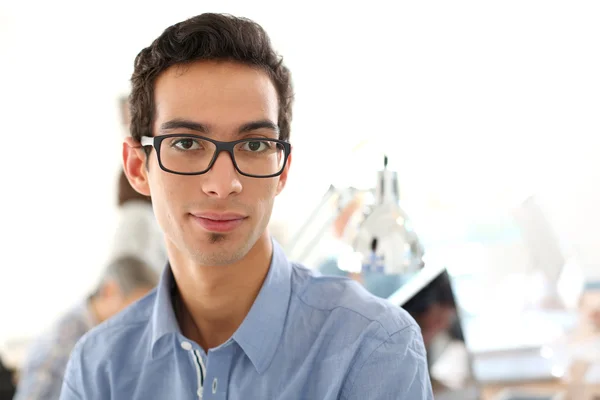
(260, 332)
(163, 320)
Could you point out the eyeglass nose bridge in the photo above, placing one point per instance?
(220, 147)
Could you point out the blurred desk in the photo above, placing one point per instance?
(573, 383)
(490, 392)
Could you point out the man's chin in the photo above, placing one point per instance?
(218, 249)
(214, 238)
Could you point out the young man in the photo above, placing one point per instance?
(232, 318)
(124, 281)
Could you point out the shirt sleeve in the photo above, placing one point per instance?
(396, 369)
(68, 393)
(72, 383)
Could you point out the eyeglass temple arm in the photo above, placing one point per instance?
(147, 141)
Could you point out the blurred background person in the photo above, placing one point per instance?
(434, 309)
(124, 281)
(137, 233)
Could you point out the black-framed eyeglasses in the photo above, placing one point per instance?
(186, 154)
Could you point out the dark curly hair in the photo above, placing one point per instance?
(207, 37)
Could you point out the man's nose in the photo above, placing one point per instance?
(222, 180)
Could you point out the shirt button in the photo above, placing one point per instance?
(186, 345)
(214, 387)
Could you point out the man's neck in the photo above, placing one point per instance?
(212, 301)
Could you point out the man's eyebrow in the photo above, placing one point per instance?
(179, 123)
(261, 124)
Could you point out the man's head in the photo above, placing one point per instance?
(217, 77)
(125, 280)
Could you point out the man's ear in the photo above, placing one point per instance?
(284, 175)
(134, 165)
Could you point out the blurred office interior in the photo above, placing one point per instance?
(481, 118)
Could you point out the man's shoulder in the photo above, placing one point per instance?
(345, 299)
(126, 329)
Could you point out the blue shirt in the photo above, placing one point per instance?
(41, 375)
(305, 337)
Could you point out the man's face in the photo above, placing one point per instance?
(222, 98)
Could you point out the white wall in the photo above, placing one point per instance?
(573, 203)
(477, 103)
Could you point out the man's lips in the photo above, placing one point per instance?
(219, 222)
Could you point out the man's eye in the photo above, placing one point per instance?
(186, 144)
(256, 146)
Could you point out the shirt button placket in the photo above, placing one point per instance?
(216, 381)
(186, 345)
(200, 369)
